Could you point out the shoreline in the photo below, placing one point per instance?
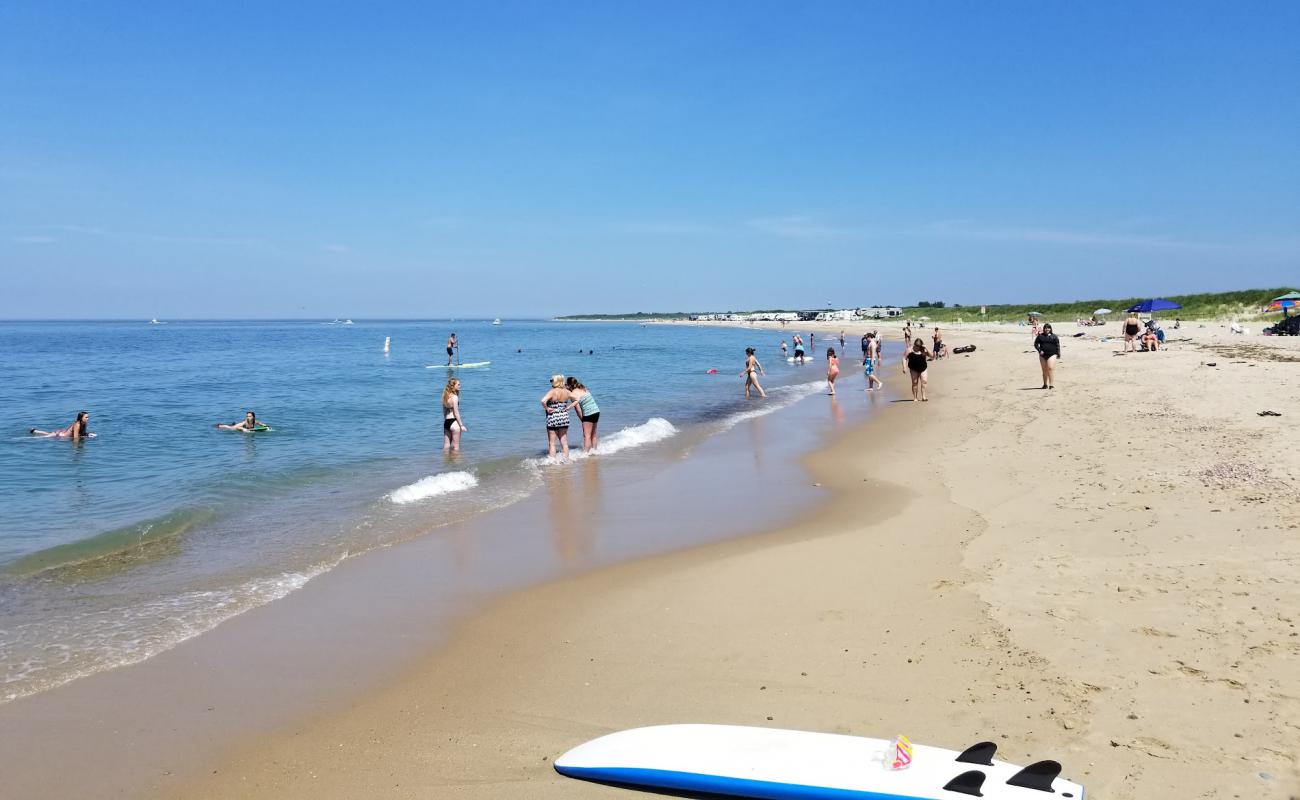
(936, 605)
(152, 724)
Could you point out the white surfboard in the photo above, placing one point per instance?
(466, 365)
(736, 761)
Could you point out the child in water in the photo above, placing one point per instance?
(832, 368)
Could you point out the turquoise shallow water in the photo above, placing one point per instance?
(161, 527)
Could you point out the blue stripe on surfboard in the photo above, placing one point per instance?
(716, 784)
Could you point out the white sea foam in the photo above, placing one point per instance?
(432, 486)
(777, 398)
(39, 656)
(655, 429)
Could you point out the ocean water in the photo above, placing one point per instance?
(161, 527)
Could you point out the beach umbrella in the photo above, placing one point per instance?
(1282, 303)
(1101, 311)
(1153, 305)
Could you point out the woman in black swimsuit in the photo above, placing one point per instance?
(452, 425)
(1049, 352)
(1131, 327)
(917, 361)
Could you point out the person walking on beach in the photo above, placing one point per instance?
(451, 348)
(556, 404)
(917, 360)
(1132, 326)
(832, 369)
(77, 430)
(870, 356)
(452, 425)
(938, 344)
(1049, 352)
(752, 370)
(907, 336)
(841, 341)
(588, 412)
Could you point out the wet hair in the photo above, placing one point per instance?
(81, 420)
(557, 380)
(251, 413)
(573, 383)
(749, 351)
(830, 352)
(452, 387)
(918, 344)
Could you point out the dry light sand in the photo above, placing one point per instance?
(1107, 574)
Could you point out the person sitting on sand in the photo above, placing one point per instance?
(248, 423)
(556, 404)
(916, 365)
(1150, 342)
(588, 412)
(452, 425)
(77, 430)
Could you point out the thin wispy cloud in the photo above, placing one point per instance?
(961, 229)
(653, 228)
(801, 226)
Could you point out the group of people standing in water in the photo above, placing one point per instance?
(566, 395)
(916, 360)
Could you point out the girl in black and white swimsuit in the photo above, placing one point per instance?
(556, 404)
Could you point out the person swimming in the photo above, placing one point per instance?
(248, 424)
(77, 430)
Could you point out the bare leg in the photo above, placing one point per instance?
(925, 382)
(916, 386)
(595, 440)
(550, 441)
(563, 436)
(455, 438)
(759, 387)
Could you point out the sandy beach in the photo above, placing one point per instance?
(1105, 574)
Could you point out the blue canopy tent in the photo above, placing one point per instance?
(1153, 305)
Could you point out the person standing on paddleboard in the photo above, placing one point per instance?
(588, 412)
(451, 348)
(452, 426)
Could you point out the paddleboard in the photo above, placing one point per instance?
(736, 761)
(466, 365)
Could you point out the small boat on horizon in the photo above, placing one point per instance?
(496, 321)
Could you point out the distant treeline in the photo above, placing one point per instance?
(1212, 305)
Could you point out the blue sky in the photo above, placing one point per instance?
(503, 159)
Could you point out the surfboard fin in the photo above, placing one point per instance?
(966, 783)
(1038, 775)
(981, 753)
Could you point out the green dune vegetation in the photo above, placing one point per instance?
(1244, 305)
